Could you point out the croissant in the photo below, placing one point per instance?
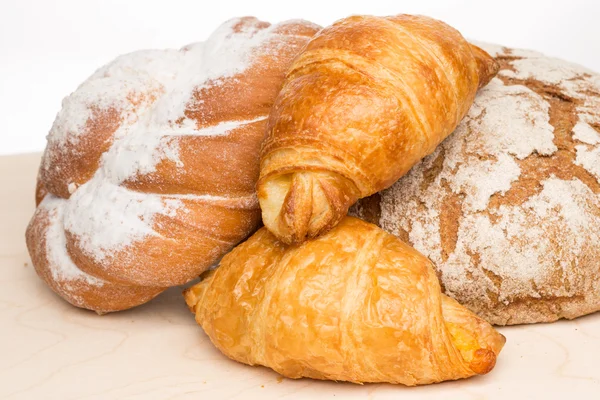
(356, 304)
(150, 170)
(367, 99)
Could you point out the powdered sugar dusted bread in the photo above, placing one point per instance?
(508, 207)
(149, 173)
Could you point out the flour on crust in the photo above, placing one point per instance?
(150, 166)
(508, 207)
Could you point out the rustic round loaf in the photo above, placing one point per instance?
(508, 207)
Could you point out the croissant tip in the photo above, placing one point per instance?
(289, 208)
(502, 340)
(290, 240)
(484, 360)
(190, 299)
(487, 65)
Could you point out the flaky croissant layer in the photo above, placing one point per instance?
(355, 304)
(367, 99)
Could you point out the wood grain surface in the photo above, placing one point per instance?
(51, 350)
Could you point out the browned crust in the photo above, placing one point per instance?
(355, 304)
(583, 283)
(108, 297)
(200, 233)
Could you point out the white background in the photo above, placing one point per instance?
(47, 48)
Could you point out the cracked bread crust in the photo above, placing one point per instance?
(508, 207)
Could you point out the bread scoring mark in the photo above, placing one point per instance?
(571, 79)
(536, 168)
(431, 174)
(505, 62)
(481, 166)
(451, 205)
(451, 209)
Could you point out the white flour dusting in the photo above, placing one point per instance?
(569, 77)
(589, 159)
(519, 238)
(61, 266)
(501, 173)
(516, 122)
(140, 154)
(93, 99)
(149, 90)
(107, 217)
(516, 119)
(512, 251)
(585, 133)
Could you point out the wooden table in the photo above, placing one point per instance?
(51, 350)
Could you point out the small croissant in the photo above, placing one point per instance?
(367, 99)
(356, 304)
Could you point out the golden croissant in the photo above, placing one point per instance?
(355, 304)
(366, 99)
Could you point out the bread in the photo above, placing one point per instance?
(150, 170)
(508, 207)
(355, 304)
(366, 100)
